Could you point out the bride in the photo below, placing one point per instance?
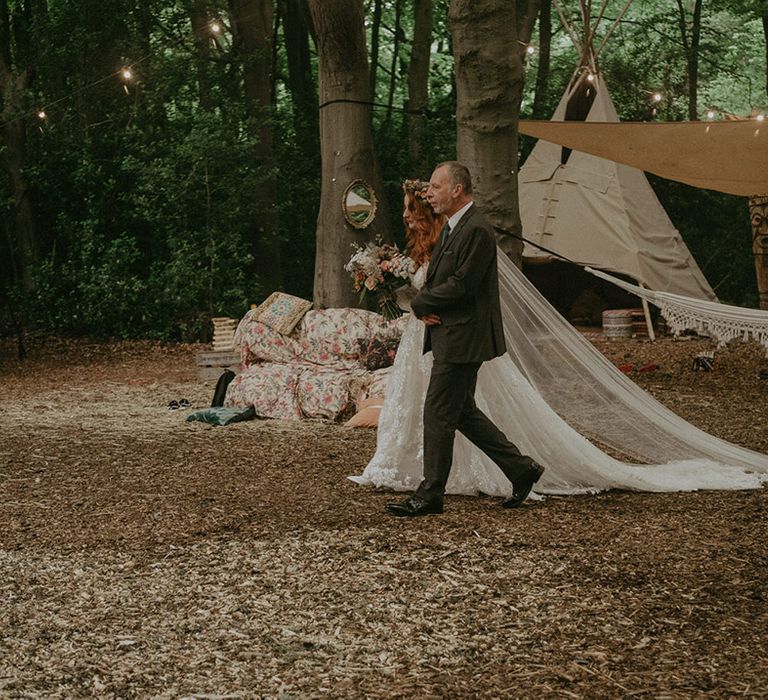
(548, 392)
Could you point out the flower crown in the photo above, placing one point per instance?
(418, 188)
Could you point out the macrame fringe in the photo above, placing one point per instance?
(719, 321)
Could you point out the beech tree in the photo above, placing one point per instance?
(418, 85)
(21, 28)
(489, 86)
(253, 22)
(346, 143)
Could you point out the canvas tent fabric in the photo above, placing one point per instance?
(603, 214)
(729, 157)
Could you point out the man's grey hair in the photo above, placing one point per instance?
(459, 174)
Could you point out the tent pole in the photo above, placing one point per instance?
(568, 27)
(613, 27)
(647, 313)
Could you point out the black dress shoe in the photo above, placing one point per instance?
(414, 506)
(523, 486)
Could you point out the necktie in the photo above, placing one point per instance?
(444, 234)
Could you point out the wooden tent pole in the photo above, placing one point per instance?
(613, 26)
(568, 27)
(647, 313)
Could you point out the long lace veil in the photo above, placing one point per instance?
(592, 395)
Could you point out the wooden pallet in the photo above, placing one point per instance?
(211, 363)
(223, 332)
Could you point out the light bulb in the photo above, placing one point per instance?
(41, 114)
(127, 73)
(657, 97)
(530, 50)
(590, 77)
(215, 27)
(760, 117)
(710, 114)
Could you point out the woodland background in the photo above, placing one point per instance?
(140, 207)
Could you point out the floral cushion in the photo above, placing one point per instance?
(330, 336)
(282, 311)
(260, 343)
(269, 387)
(294, 391)
(377, 353)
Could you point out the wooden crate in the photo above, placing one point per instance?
(211, 363)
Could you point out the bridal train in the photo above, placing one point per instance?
(550, 393)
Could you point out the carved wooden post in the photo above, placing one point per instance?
(758, 214)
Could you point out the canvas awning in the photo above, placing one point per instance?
(727, 156)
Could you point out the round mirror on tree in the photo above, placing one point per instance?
(359, 204)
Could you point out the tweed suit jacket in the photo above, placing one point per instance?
(462, 287)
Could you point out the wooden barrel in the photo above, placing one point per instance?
(639, 327)
(617, 323)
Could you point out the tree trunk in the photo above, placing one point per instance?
(375, 32)
(765, 35)
(691, 50)
(201, 31)
(693, 64)
(393, 74)
(15, 71)
(541, 96)
(489, 84)
(418, 88)
(295, 16)
(527, 12)
(25, 229)
(253, 21)
(346, 143)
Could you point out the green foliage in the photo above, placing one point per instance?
(144, 198)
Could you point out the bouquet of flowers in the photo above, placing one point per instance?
(378, 269)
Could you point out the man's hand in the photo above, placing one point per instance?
(431, 320)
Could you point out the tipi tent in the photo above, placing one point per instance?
(593, 211)
(603, 214)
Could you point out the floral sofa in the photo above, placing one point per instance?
(328, 363)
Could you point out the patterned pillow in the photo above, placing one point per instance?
(377, 353)
(368, 412)
(282, 312)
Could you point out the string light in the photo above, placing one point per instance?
(657, 97)
(710, 114)
(41, 114)
(760, 117)
(215, 27)
(591, 77)
(530, 50)
(126, 74)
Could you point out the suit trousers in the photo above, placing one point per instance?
(450, 406)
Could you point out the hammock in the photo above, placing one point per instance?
(721, 321)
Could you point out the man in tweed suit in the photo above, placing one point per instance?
(459, 305)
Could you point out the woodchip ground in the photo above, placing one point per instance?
(145, 556)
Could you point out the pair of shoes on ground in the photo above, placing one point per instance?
(175, 405)
(415, 505)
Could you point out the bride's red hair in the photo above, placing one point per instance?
(422, 238)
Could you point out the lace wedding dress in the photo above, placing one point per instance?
(585, 395)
